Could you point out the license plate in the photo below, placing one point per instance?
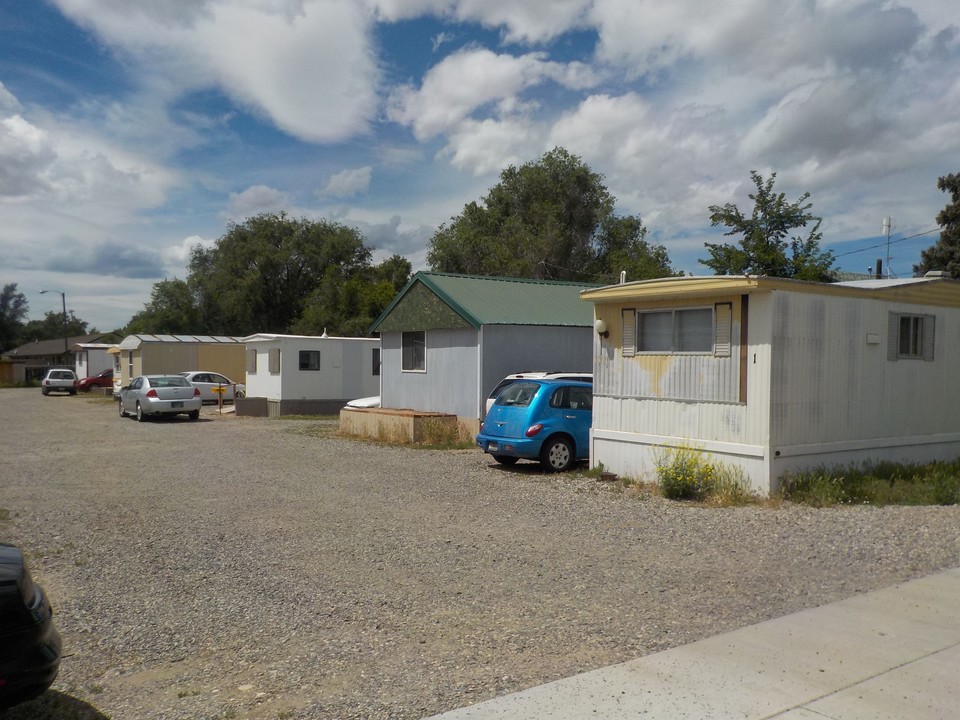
(176, 404)
(493, 447)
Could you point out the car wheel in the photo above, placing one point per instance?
(557, 454)
(140, 416)
(44, 391)
(506, 459)
(194, 414)
(73, 392)
(241, 394)
(123, 413)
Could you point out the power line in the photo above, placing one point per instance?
(884, 243)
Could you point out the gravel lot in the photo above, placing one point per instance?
(254, 568)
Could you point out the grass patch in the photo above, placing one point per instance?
(885, 483)
(4, 516)
(685, 473)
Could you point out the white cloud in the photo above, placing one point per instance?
(486, 147)
(257, 199)
(467, 80)
(307, 66)
(348, 183)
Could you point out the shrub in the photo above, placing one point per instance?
(685, 474)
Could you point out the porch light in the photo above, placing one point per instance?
(601, 327)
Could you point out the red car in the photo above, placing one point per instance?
(104, 380)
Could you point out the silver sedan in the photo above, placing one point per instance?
(160, 395)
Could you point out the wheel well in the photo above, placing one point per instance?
(565, 436)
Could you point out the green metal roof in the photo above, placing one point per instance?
(482, 300)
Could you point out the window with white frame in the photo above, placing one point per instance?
(309, 359)
(687, 330)
(699, 330)
(911, 336)
(414, 351)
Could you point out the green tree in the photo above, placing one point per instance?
(53, 327)
(173, 310)
(945, 253)
(549, 219)
(766, 237)
(262, 273)
(349, 308)
(13, 313)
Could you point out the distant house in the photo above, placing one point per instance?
(158, 354)
(91, 358)
(448, 339)
(776, 375)
(307, 375)
(32, 360)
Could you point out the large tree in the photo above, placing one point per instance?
(54, 326)
(173, 310)
(767, 245)
(945, 253)
(13, 312)
(273, 273)
(259, 274)
(552, 218)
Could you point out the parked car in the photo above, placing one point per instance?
(546, 375)
(209, 381)
(59, 381)
(29, 643)
(160, 395)
(545, 420)
(103, 379)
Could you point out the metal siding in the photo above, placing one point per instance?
(449, 384)
(509, 349)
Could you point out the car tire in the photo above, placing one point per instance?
(194, 414)
(44, 391)
(557, 454)
(506, 459)
(73, 392)
(123, 413)
(241, 394)
(140, 416)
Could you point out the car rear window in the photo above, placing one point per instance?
(171, 381)
(519, 393)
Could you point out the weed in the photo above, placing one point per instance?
(96, 688)
(187, 693)
(685, 473)
(4, 515)
(878, 484)
(284, 715)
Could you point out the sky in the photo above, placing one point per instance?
(133, 130)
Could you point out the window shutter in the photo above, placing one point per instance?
(275, 360)
(629, 332)
(252, 361)
(893, 336)
(929, 325)
(723, 329)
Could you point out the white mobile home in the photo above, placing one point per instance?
(775, 375)
(91, 358)
(308, 375)
(449, 339)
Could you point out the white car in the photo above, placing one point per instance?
(210, 384)
(536, 375)
(59, 381)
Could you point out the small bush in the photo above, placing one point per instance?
(685, 474)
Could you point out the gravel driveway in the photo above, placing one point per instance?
(255, 568)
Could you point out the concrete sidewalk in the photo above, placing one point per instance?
(892, 654)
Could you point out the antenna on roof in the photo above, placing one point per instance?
(623, 276)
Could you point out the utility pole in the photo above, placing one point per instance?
(63, 297)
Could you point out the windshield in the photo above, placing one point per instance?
(519, 393)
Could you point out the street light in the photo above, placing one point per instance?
(63, 296)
